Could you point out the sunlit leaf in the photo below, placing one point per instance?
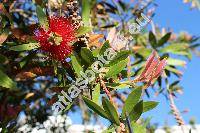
(76, 65)
(176, 48)
(136, 112)
(43, 21)
(119, 57)
(87, 55)
(25, 47)
(117, 68)
(149, 105)
(110, 110)
(83, 30)
(96, 108)
(131, 101)
(86, 12)
(96, 94)
(138, 128)
(176, 62)
(7, 82)
(104, 47)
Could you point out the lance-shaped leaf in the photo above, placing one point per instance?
(96, 108)
(136, 112)
(119, 57)
(25, 47)
(86, 12)
(87, 55)
(176, 48)
(174, 70)
(42, 18)
(164, 39)
(131, 101)
(96, 94)
(111, 111)
(105, 46)
(83, 30)
(149, 105)
(117, 68)
(76, 65)
(152, 39)
(176, 62)
(7, 82)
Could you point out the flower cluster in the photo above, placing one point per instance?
(56, 40)
(153, 69)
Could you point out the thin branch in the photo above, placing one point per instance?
(176, 112)
(106, 90)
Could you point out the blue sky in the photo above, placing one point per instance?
(178, 16)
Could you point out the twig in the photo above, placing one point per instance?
(176, 112)
(106, 90)
(129, 69)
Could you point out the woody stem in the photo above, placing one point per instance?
(106, 90)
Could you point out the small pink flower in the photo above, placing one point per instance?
(153, 69)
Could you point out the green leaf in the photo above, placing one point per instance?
(173, 70)
(25, 47)
(104, 47)
(96, 94)
(111, 111)
(164, 39)
(117, 85)
(87, 55)
(131, 101)
(176, 62)
(110, 129)
(86, 12)
(175, 48)
(7, 82)
(76, 65)
(136, 112)
(96, 108)
(83, 30)
(27, 59)
(95, 52)
(119, 57)
(117, 68)
(152, 39)
(42, 18)
(149, 105)
(144, 52)
(138, 128)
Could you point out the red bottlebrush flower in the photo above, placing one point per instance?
(153, 69)
(56, 41)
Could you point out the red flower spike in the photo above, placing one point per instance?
(148, 64)
(56, 41)
(153, 69)
(160, 68)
